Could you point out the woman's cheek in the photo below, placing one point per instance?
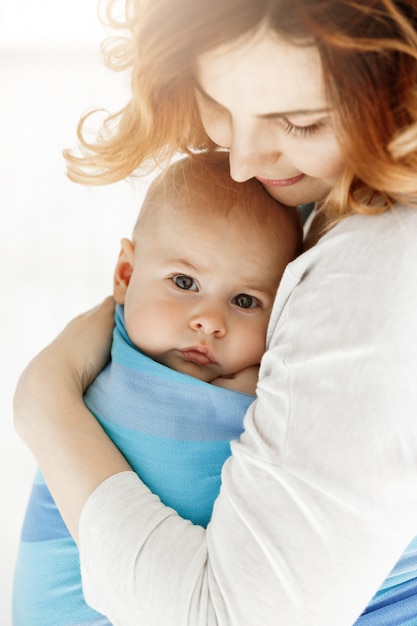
(217, 125)
(322, 160)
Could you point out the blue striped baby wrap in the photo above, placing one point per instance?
(395, 604)
(174, 430)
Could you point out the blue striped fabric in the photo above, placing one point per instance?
(395, 604)
(174, 430)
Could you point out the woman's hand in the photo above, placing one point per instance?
(73, 452)
(75, 357)
(85, 343)
(245, 380)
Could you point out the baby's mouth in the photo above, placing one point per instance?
(200, 355)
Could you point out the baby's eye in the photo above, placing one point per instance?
(185, 282)
(244, 301)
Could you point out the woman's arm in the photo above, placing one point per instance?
(318, 499)
(73, 452)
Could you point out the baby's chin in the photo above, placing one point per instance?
(205, 373)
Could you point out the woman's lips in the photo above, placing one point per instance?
(283, 182)
(198, 355)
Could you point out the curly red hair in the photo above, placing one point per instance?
(369, 57)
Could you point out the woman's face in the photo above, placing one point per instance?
(263, 100)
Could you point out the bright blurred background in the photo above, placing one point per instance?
(59, 241)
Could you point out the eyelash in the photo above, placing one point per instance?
(177, 277)
(300, 131)
(290, 129)
(253, 304)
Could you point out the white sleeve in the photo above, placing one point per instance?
(319, 497)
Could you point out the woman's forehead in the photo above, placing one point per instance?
(265, 75)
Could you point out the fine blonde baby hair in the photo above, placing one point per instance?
(203, 187)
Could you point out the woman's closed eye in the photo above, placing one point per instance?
(301, 130)
(183, 281)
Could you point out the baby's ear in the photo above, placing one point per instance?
(123, 270)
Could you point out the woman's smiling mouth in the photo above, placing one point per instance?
(283, 182)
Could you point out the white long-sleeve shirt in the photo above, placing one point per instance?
(319, 497)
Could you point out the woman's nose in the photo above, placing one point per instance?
(209, 322)
(250, 156)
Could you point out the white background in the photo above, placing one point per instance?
(59, 241)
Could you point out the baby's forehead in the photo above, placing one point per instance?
(205, 191)
(208, 189)
(199, 204)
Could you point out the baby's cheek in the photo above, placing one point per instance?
(249, 348)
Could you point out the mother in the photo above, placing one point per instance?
(318, 100)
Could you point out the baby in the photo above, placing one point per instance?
(195, 288)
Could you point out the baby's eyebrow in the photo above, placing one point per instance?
(185, 263)
(259, 289)
(272, 115)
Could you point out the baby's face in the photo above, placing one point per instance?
(201, 293)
